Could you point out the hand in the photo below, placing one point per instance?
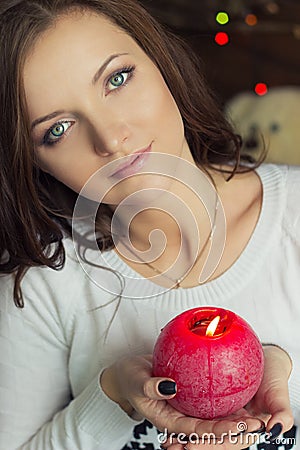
(271, 402)
(129, 383)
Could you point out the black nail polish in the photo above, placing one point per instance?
(167, 387)
(275, 431)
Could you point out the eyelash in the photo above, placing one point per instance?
(129, 70)
(46, 141)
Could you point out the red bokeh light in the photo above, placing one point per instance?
(221, 38)
(261, 89)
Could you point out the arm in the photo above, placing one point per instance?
(37, 408)
(138, 393)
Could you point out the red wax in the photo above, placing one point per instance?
(215, 375)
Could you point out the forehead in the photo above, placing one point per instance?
(72, 50)
(78, 29)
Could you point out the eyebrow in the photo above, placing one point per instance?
(45, 118)
(104, 65)
(94, 81)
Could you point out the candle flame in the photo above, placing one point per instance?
(210, 331)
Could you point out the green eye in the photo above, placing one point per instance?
(117, 80)
(58, 130)
(120, 78)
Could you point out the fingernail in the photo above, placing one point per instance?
(275, 431)
(167, 387)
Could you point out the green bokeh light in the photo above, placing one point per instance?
(222, 18)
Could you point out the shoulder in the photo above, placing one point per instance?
(290, 188)
(53, 298)
(48, 295)
(292, 174)
(291, 217)
(280, 178)
(286, 187)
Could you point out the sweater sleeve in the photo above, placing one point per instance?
(38, 410)
(291, 233)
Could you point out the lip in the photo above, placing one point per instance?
(133, 164)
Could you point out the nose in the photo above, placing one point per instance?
(252, 140)
(251, 143)
(111, 135)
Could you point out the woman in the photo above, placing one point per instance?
(96, 99)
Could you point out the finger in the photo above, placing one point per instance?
(228, 443)
(179, 423)
(282, 417)
(157, 388)
(172, 443)
(278, 402)
(276, 395)
(194, 442)
(175, 441)
(235, 426)
(225, 441)
(173, 447)
(281, 414)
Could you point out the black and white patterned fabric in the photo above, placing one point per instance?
(145, 437)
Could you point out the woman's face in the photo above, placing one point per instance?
(93, 97)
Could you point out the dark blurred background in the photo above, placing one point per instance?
(264, 40)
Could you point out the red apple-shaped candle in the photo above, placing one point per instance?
(215, 358)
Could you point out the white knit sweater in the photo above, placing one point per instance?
(52, 351)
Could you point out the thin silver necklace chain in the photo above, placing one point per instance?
(178, 281)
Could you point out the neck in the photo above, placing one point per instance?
(170, 230)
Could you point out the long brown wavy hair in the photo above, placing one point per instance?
(35, 207)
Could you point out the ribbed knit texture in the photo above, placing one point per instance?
(91, 403)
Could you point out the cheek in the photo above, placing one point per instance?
(70, 170)
(157, 105)
(169, 115)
